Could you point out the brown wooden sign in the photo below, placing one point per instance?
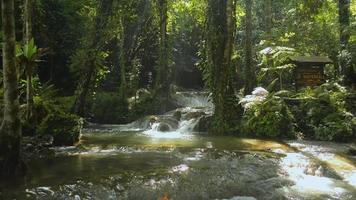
(309, 71)
(312, 76)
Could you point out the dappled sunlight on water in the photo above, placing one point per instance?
(148, 165)
(318, 172)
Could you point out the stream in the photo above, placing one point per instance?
(164, 157)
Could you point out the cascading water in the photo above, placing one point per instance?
(182, 121)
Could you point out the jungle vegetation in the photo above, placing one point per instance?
(65, 63)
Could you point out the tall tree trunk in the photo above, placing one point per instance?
(122, 61)
(162, 78)
(89, 74)
(268, 19)
(219, 48)
(250, 78)
(10, 137)
(28, 65)
(345, 64)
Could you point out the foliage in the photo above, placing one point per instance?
(275, 73)
(65, 128)
(142, 105)
(270, 118)
(109, 108)
(52, 117)
(29, 52)
(323, 113)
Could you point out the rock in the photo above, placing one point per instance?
(46, 140)
(177, 115)
(142, 92)
(163, 127)
(170, 121)
(204, 124)
(194, 115)
(351, 152)
(243, 198)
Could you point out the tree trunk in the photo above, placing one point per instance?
(345, 60)
(28, 66)
(344, 20)
(10, 137)
(219, 49)
(268, 19)
(162, 78)
(122, 61)
(249, 65)
(90, 72)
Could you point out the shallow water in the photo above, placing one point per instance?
(137, 161)
(147, 165)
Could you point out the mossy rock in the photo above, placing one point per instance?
(65, 128)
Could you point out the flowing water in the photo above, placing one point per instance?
(161, 157)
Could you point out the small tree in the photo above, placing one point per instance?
(28, 56)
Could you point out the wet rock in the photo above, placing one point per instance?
(204, 124)
(163, 127)
(153, 119)
(351, 152)
(171, 122)
(177, 115)
(46, 140)
(243, 198)
(194, 115)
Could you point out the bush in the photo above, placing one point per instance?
(323, 114)
(65, 128)
(143, 105)
(270, 118)
(51, 118)
(109, 108)
(336, 126)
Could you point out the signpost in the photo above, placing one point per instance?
(309, 71)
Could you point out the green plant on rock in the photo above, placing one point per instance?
(270, 118)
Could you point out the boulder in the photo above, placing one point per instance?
(204, 124)
(194, 115)
(163, 127)
(177, 115)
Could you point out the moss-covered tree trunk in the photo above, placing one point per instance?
(28, 14)
(10, 137)
(268, 19)
(250, 78)
(345, 59)
(219, 49)
(89, 75)
(163, 71)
